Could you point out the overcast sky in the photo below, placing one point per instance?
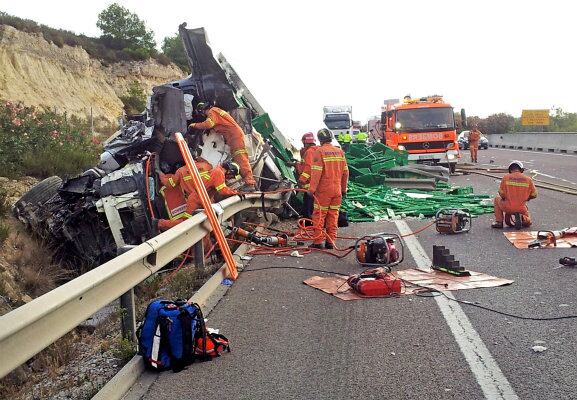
(296, 56)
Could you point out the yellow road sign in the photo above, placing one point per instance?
(535, 117)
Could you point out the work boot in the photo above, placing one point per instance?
(247, 188)
(497, 225)
(329, 245)
(518, 220)
(316, 246)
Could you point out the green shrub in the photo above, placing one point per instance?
(124, 350)
(43, 143)
(135, 99)
(65, 161)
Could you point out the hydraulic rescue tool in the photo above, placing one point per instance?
(278, 240)
(453, 220)
(544, 239)
(379, 250)
(444, 261)
(568, 261)
(375, 283)
(383, 251)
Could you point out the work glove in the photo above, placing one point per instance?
(241, 196)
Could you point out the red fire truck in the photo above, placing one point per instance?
(424, 127)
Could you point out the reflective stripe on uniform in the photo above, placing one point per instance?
(239, 151)
(305, 175)
(317, 168)
(332, 159)
(520, 184)
(323, 208)
(171, 181)
(335, 207)
(221, 112)
(220, 187)
(205, 175)
(187, 178)
(210, 122)
(307, 186)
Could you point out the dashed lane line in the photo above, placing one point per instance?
(489, 376)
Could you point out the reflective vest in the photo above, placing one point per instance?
(362, 137)
(347, 138)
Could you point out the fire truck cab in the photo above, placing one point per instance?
(424, 127)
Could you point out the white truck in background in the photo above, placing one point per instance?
(338, 119)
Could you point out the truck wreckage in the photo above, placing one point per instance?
(88, 217)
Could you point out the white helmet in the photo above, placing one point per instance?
(517, 163)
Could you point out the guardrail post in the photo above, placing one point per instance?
(199, 254)
(128, 316)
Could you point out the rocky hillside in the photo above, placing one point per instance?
(36, 72)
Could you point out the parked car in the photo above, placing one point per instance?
(463, 140)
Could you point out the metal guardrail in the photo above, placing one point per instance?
(34, 326)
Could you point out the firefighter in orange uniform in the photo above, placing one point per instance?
(474, 137)
(329, 178)
(221, 122)
(304, 171)
(515, 190)
(214, 181)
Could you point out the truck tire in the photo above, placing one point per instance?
(41, 192)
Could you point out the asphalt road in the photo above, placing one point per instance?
(293, 342)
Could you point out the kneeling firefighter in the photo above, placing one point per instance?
(214, 181)
(329, 178)
(515, 191)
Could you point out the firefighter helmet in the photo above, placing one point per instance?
(308, 138)
(516, 163)
(324, 135)
(202, 106)
(231, 168)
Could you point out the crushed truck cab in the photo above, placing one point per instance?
(424, 127)
(89, 218)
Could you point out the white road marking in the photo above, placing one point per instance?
(536, 152)
(489, 376)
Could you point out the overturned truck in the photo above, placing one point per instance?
(88, 217)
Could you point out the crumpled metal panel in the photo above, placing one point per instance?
(209, 78)
(168, 109)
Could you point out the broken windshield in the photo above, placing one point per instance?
(425, 119)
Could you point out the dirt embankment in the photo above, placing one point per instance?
(38, 73)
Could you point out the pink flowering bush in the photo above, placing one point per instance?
(43, 143)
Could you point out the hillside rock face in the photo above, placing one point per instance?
(38, 73)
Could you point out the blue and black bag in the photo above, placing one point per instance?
(166, 338)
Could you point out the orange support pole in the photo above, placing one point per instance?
(207, 204)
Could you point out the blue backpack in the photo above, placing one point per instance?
(166, 338)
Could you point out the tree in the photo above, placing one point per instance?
(122, 29)
(562, 121)
(173, 48)
(497, 124)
